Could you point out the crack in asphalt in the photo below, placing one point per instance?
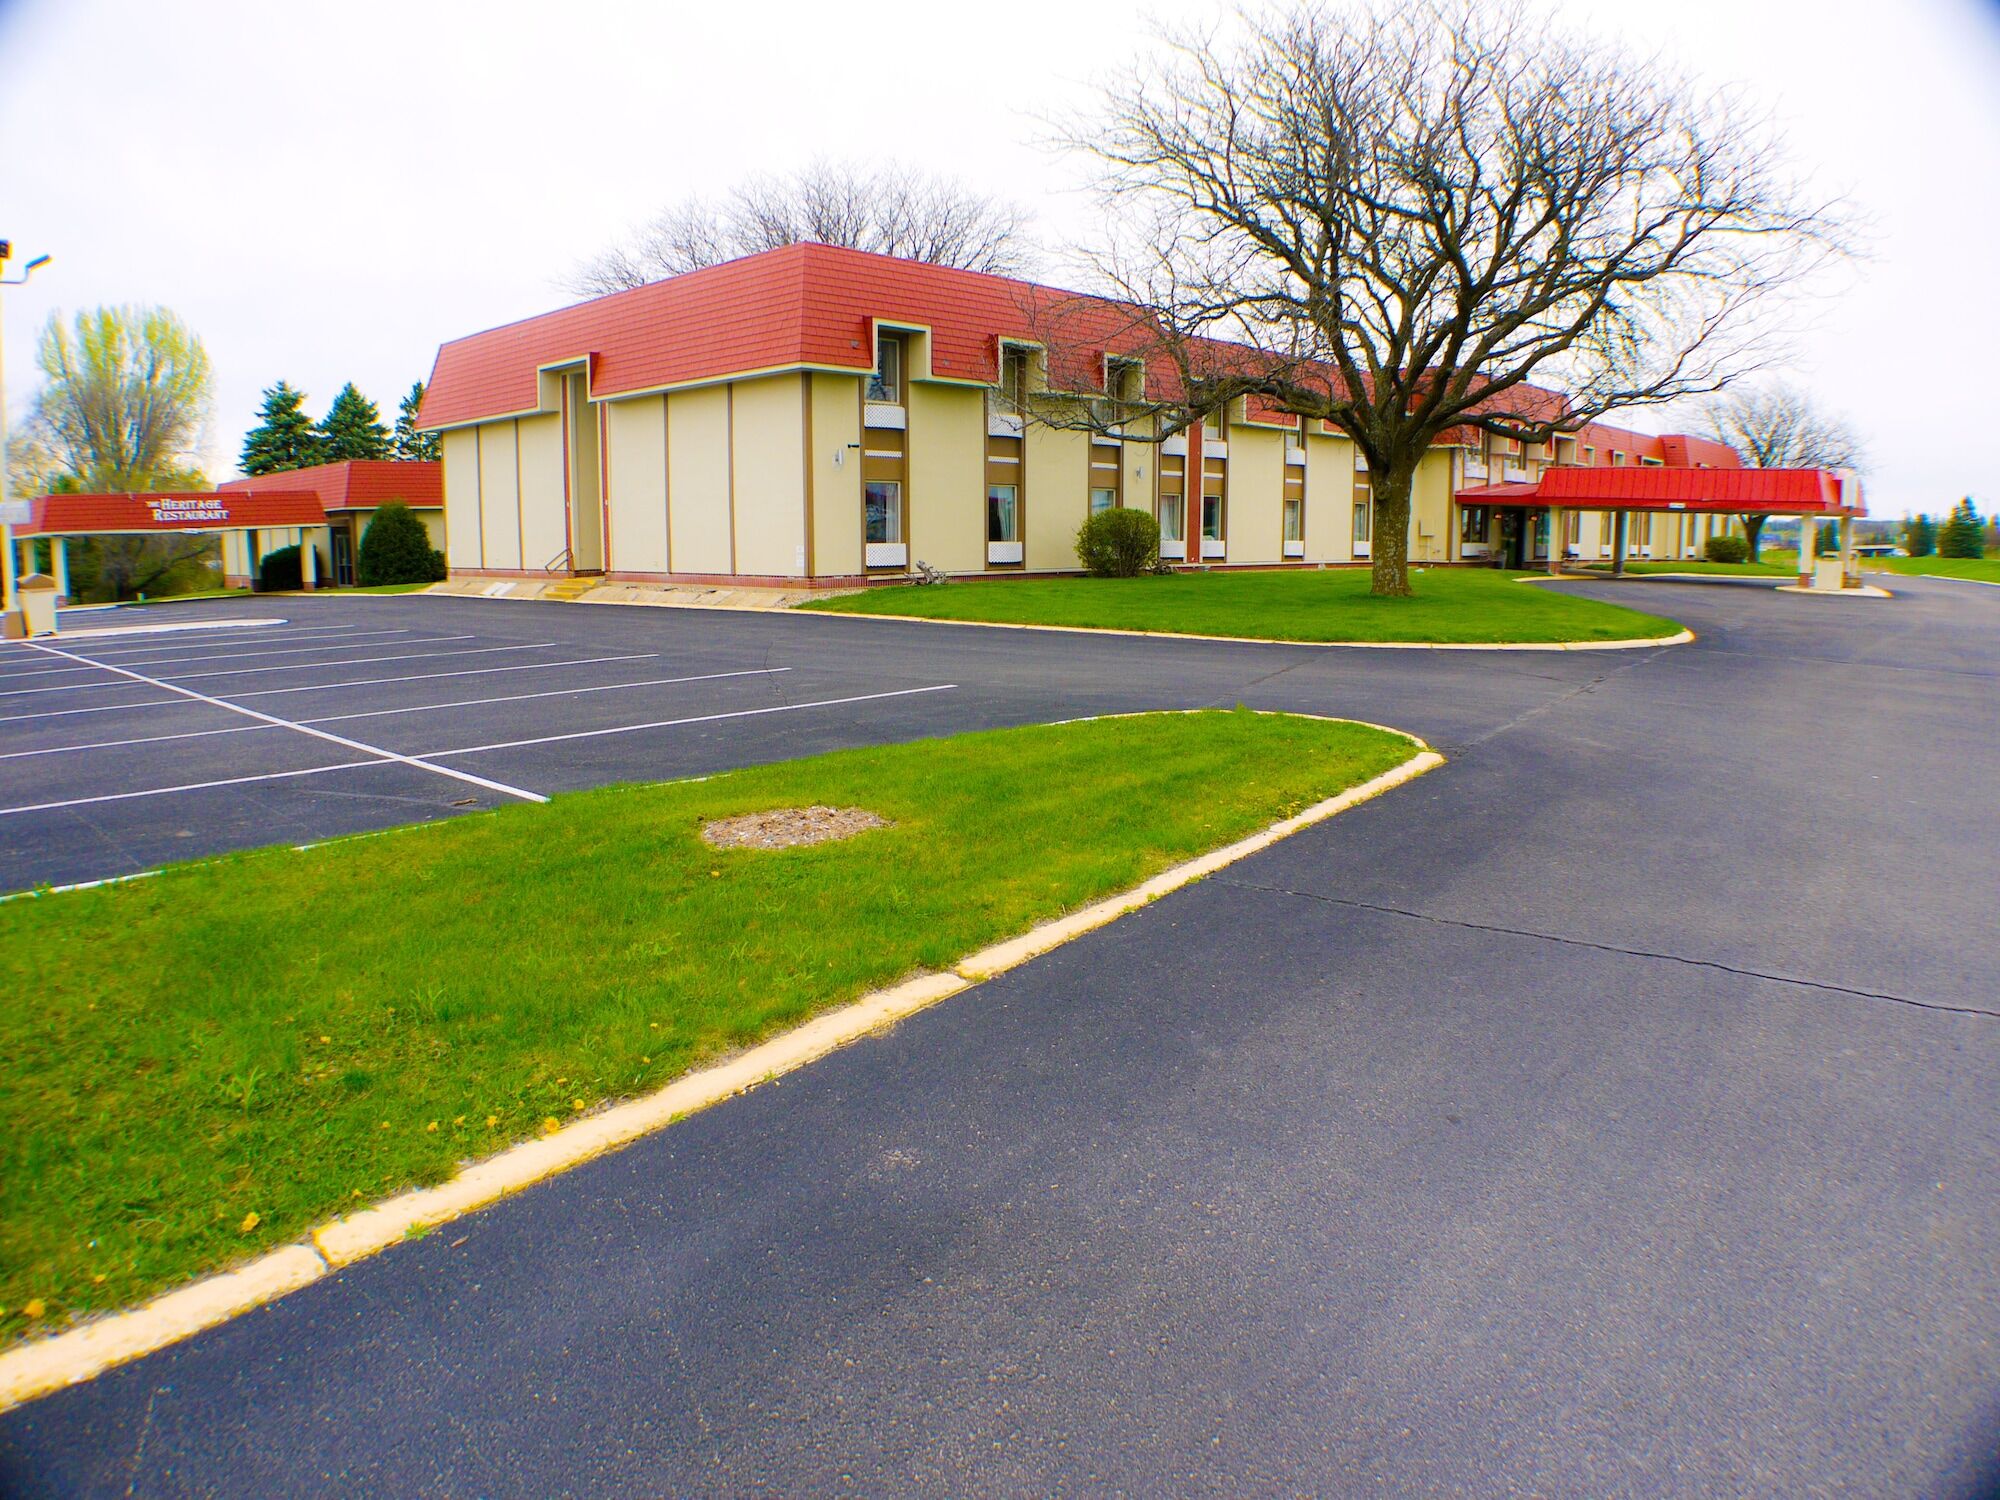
(1613, 948)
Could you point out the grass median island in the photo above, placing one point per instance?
(1451, 605)
(209, 1062)
(1982, 569)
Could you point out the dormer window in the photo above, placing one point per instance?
(1014, 378)
(885, 382)
(1124, 380)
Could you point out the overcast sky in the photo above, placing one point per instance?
(326, 192)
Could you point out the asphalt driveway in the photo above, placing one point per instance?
(1610, 1112)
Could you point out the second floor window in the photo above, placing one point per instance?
(886, 381)
(1014, 379)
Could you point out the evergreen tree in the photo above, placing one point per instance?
(408, 443)
(283, 437)
(1962, 535)
(1920, 536)
(352, 428)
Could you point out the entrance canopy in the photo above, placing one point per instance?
(163, 514)
(1772, 492)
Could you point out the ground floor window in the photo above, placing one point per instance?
(1211, 518)
(1101, 500)
(883, 499)
(1295, 520)
(1472, 523)
(1172, 518)
(1003, 513)
(1361, 522)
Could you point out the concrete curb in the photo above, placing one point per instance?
(65, 1359)
(1680, 639)
(101, 631)
(1865, 591)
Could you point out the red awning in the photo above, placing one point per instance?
(1793, 492)
(192, 510)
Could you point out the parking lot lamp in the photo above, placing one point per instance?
(9, 517)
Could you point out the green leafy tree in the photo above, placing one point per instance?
(351, 429)
(1920, 536)
(125, 394)
(284, 437)
(396, 548)
(408, 443)
(1962, 535)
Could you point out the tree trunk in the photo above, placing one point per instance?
(1389, 537)
(1753, 527)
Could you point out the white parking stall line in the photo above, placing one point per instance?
(325, 687)
(377, 713)
(568, 692)
(328, 735)
(122, 650)
(358, 661)
(533, 666)
(741, 713)
(198, 786)
(143, 739)
(207, 657)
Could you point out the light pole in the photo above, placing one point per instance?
(8, 518)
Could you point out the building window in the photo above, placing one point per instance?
(1172, 518)
(1590, 455)
(1003, 513)
(1014, 378)
(1125, 379)
(1211, 518)
(1361, 527)
(1103, 500)
(886, 381)
(1295, 440)
(1295, 520)
(883, 500)
(1617, 459)
(1472, 523)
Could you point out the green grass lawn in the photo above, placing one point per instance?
(1984, 569)
(286, 1033)
(1450, 605)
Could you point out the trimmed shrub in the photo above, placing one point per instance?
(285, 569)
(396, 548)
(1118, 543)
(1727, 549)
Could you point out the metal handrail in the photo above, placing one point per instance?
(560, 563)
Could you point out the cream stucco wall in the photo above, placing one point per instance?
(698, 498)
(945, 499)
(1057, 463)
(1329, 499)
(460, 452)
(499, 495)
(1254, 518)
(544, 518)
(835, 469)
(635, 452)
(767, 426)
(1430, 507)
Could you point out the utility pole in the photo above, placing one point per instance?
(10, 517)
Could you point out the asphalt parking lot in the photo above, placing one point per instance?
(1609, 1112)
(120, 751)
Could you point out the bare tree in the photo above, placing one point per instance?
(891, 210)
(1415, 216)
(1776, 426)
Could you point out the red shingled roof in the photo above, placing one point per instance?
(802, 305)
(195, 510)
(1776, 491)
(354, 484)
